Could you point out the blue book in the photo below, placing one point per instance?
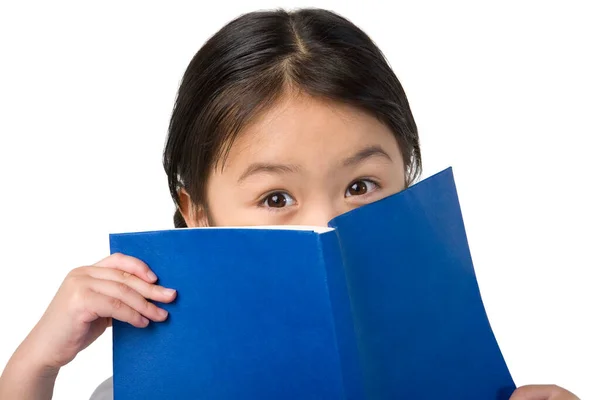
(383, 304)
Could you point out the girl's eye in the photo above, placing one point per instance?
(278, 200)
(360, 187)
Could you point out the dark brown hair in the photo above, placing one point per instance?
(251, 61)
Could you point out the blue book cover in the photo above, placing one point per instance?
(383, 304)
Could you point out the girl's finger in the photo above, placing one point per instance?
(100, 305)
(147, 290)
(129, 297)
(128, 264)
(542, 392)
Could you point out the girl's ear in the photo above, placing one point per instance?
(194, 216)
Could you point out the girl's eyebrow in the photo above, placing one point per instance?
(257, 168)
(361, 155)
(365, 153)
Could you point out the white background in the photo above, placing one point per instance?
(507, 93)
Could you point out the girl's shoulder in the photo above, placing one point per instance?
(104, 391)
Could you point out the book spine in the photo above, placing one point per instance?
(345, 329)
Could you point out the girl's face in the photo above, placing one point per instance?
(303, 162)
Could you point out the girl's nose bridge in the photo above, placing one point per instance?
(319, 213)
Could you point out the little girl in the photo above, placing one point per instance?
(281, 118)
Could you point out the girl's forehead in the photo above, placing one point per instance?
(308, 129)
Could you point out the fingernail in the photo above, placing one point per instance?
(168, 292)
(152, 276)
(163, 313)
(145, 321)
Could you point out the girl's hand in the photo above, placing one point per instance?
(542, 392)
(87, 301)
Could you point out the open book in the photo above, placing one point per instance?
(384, 304)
